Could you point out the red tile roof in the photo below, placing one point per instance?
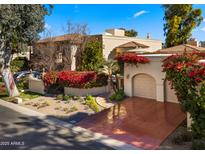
(184, 48)
(132, 44)
(66, 37)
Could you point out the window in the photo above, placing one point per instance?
(59, 58)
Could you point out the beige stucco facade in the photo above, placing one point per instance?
(148, 80)
(111, 42)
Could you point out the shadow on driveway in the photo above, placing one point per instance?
(18, 131)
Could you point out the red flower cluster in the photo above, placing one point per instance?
(50, 78)
(197, 73)
(177, 66)
(132, 58)
(186, 63)
(75, 78)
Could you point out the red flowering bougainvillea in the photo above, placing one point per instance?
(132, 58)
(50, 78)
(76, 79)
(187, 77)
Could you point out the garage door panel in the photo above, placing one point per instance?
(144, 86)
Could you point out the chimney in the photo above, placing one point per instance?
(148, 36)
(115, 32)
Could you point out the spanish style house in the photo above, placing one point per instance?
(62, 52)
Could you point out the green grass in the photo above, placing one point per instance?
(29, 95)
(23, 95)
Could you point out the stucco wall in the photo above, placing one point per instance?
(170, 95)
(36, 85)
(111, 42)
(153, 69)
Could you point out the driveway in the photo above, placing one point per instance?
(141, 122)
(18, 131)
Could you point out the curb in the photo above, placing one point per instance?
(97, 137)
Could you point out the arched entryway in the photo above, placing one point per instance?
(144, 85)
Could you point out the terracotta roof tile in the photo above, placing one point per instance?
(132, 44)
(184, 48)
(61, 38)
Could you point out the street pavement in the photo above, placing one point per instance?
(18, 131)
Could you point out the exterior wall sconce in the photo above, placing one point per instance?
(127, 76)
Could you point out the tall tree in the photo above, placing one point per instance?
(180, 20)
(92, 56)
(19, 24)
(130, 32)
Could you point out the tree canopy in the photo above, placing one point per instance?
(92, 56)
(180, 20)
(21, 24)
(130, 32)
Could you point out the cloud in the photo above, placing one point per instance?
(203, 29)
(137, 14)
(204, 20)
(47, 26)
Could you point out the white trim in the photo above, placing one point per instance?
(155, 55)
(127, 38)
(202, 61)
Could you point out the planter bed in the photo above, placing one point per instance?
(85, 91)
(71, 110)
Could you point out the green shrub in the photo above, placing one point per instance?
(198, 145)
(112, 97)
(91, 102)
(182, 137)
(23, 83)
(92, 56)
(118, 96)
(19, 64)
(66, 97)
(59, 97)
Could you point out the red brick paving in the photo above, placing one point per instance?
(141, 122)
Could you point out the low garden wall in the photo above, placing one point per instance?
(36, 85)
(78, 83)
(85, 91)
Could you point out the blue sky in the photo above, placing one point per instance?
(143, 18)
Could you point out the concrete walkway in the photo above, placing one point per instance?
(18, 131)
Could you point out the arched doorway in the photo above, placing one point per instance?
(144, 85)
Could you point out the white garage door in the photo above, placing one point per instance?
(144, 86)
(170, 95)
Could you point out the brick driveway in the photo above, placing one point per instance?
(141, 122)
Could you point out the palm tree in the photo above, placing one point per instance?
(109, 68)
